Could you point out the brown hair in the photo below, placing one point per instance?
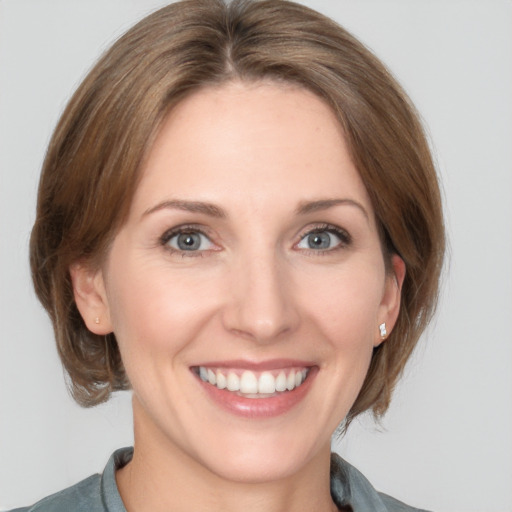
(93, 162)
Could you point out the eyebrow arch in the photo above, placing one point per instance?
(189, 206)
(324, 204)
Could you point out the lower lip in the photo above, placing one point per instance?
(259, 407)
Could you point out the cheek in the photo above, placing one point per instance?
(346, 306)
(343, 314)
(153, 309)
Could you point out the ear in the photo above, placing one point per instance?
(91, 298)
(390, 304)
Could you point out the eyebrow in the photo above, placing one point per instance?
(189, 206)
(306, 207)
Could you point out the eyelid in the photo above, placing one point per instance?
(183, 228)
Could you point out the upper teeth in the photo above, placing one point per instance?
(250, 383)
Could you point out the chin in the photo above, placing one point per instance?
(256, 470)
(263, 459)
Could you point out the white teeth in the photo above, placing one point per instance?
(281, 382)
(233, 382)
(221, 380)
(266, 383)
(250, 384)
(290, 381)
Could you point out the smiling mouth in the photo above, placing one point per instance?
(250, 384)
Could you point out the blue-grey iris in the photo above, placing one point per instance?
(319, 240)
(189, 241)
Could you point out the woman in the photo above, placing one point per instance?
(239, 219)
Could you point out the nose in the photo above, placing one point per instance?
(261, 302)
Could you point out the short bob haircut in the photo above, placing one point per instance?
(93, 162)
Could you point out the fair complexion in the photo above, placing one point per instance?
(251, 247)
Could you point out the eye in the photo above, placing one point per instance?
(189, 241)
(324, 239)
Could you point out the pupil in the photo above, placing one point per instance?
(319, 240)
(188, 242)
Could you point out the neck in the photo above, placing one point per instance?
(162, 477)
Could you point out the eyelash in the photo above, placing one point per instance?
(180, 230)
(344, 236)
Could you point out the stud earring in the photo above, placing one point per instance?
(383, 331)
(97, 320)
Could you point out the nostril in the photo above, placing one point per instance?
(261, 332)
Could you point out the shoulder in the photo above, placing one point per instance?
(85, 496)
(393, 505)
(98, 493)
(350, 487)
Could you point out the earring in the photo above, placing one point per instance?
(97, 320)
(383, 331)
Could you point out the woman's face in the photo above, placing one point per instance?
(247, 285)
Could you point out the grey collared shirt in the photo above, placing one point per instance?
(350, 490)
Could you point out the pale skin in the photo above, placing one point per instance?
(255, 173)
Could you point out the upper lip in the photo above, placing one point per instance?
(270, 364)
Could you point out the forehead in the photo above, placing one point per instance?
(250, 141)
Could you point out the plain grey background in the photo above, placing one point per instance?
(446, 442)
